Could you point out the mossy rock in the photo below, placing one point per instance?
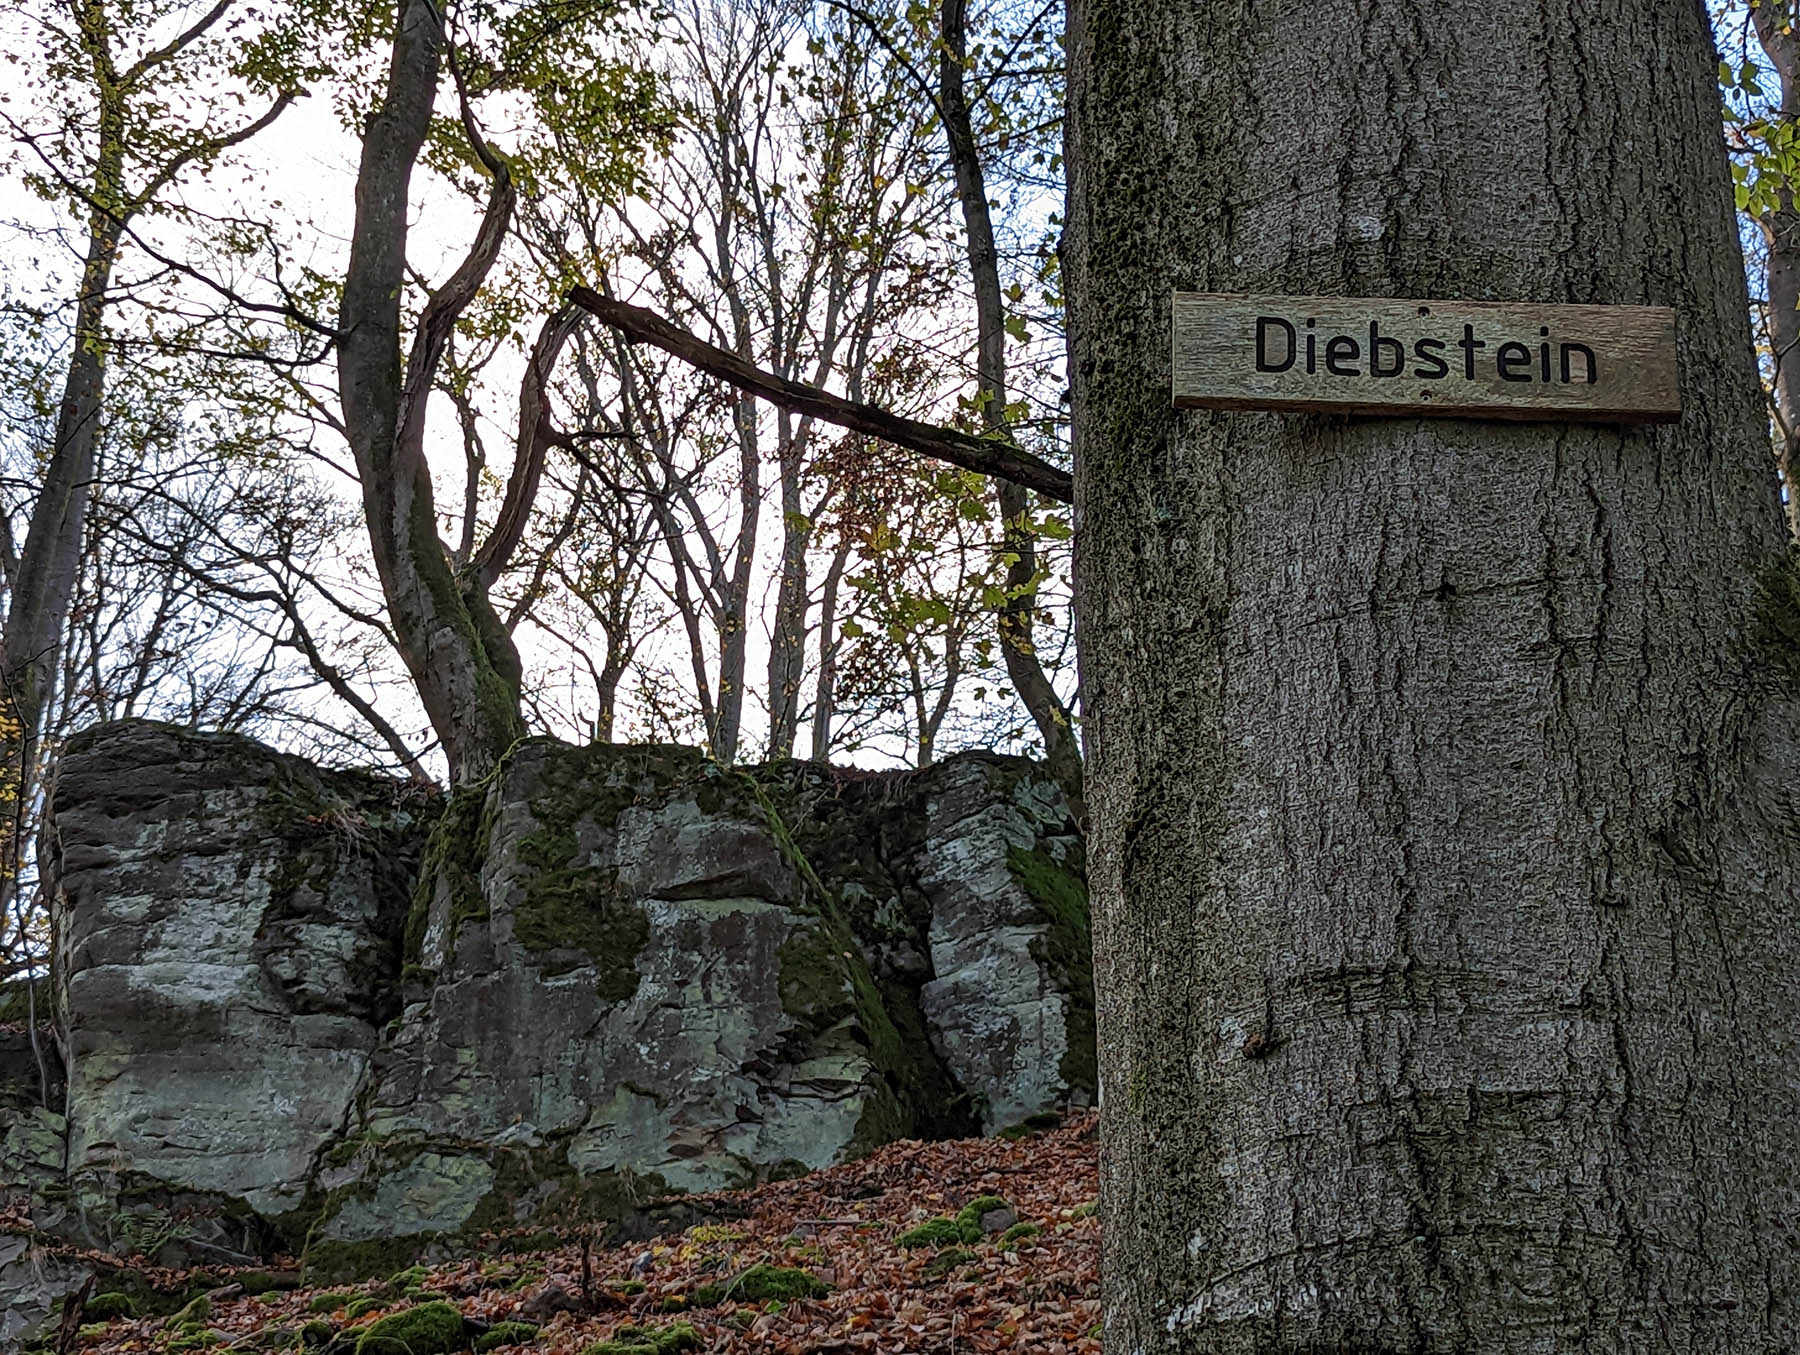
(316, 1333)
(197, 1311)
(361, 1308)
(429, 1329)
(970, 1215)
(942, 1232)
(761, 1283)
(410, 1278)
(948, 1260)
(1018, 1232)
(109, 1307)
(633, 1339)
(329, 1302)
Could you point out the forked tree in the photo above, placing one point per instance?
(1444, 815)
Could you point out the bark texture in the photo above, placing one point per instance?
(1443, 831)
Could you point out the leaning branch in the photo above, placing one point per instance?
(984, 455)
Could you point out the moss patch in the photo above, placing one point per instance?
(761, 1283)
(429, 1329)
(505, 1334)
(1066, 950)
(932, 1233)
(109, 1307)
(633, 1339)
(970, 1215)
(452, 863)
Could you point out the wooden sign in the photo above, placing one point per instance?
(1339, 355)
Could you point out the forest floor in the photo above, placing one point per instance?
(998, 1286)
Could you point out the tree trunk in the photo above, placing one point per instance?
(1781, 233)
(455, 648)
(44, 583)
(787, 642)
(1443, 844)
(1018, 612)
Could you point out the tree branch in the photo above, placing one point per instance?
(984, 455)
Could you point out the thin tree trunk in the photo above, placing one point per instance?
(1443, 852)
(825, 695)
(1781, 232)
(1017, 613)
(787, 643)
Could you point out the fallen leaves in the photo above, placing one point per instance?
(1037, 1293)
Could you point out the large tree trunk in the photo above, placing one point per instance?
(1443, 847)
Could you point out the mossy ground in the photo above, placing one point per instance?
(636, 1339)
(762, 1283)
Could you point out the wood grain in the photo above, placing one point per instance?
(1498, 359)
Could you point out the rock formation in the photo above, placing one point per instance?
(323, 1011)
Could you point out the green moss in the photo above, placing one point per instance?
(199, 1340)
(345, 1262)
(362, 1308)
(1066, 950)
(633, 1339)
(429, 1329)
(505, 1334)
(948, 1260)
(931, 1233)
(571, 911)
(761, 1283)
(316, 1333)
(410, 1278)
(570, 905)
(197, 1310)
(328, 1303)
(630, 1287)
(1018, 1232)
(968, 1218)
(452, 862)
(109, 1307)
(1085, 1210)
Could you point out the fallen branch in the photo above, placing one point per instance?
(986, 455)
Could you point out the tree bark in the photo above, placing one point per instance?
(459, 655)
(1443, 840)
